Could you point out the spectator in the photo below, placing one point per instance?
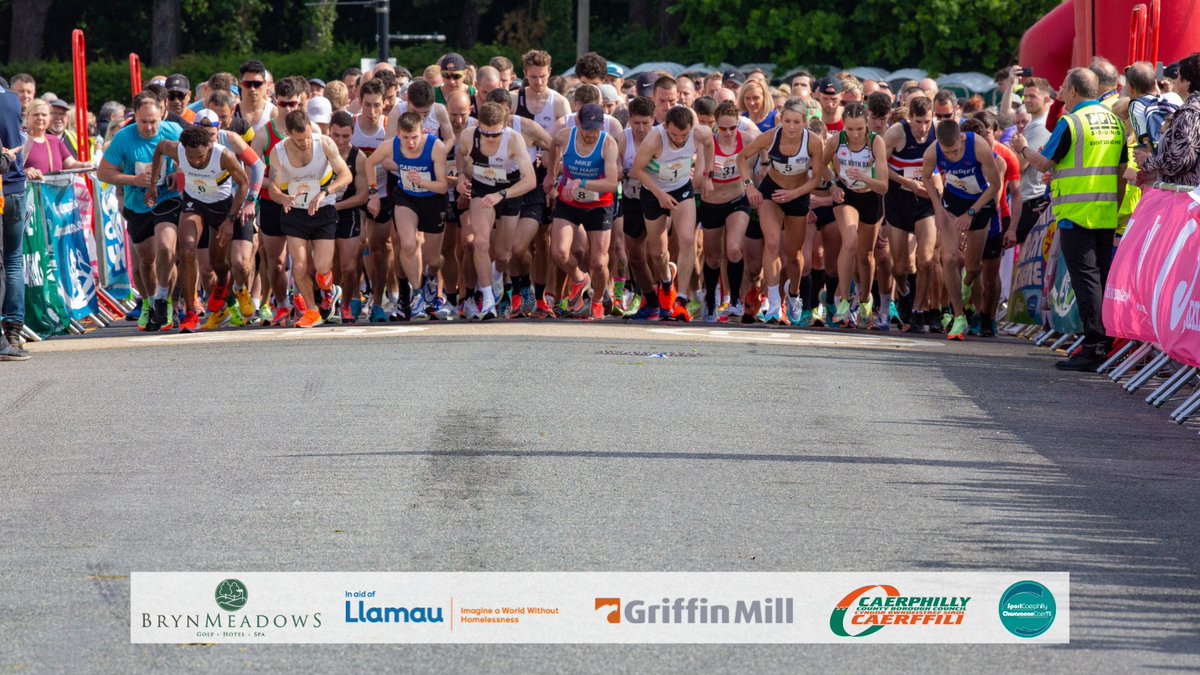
(1034, 199)
(1178, 158)
(1088, 156)
(972, 106)
(24, 86)
(44, 152)
(1108, 79)
(13, 307)
(337, 94)
(111, 113)
(1147, 110)
(351, 78)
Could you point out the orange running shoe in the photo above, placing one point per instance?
(544, 311)
(680, 311)
(311, 319)
(575, 297)
(191, 322)
(597, 311)
(754, 301)
(281, 317)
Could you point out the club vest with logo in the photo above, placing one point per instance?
(1083, 186)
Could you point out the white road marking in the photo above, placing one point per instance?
(800, 337)
(239, 335)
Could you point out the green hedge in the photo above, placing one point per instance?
(109, 81)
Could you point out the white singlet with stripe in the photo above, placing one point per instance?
(208, 184)
(862, 159)
(305, 182)
(430, 124)
(631, 187)
(673, 168)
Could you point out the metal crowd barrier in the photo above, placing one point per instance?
(1135, 365)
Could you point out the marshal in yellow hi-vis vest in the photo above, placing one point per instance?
(1083, 186)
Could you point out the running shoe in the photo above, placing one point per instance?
(794, 309)
(597, 311)
(543, 310)
(958, 328)
(429, 293)
(487, 313)
(265, 315)
(732, 311)
(378, 315)
(619, 307)
(244, 302)
(805, 321)
(770, 316)
(236, 319)
(515, 306)
(666, 300)
(280, 319)
(947, 318)
(842, 316)
(988, 330)
(754, 301)
(528, 303)
(418, 309)
(695, 308)
(644, 313)
(504, 305)
(216, 319)
(158, 316)
(865, 312)
(440, 310)
(880, 323)
(330, 300)
(712, 317)
(356, 305)
(681, 311)
(974, 323)
(633, 305)
(575, 300)
(310, 319)
(144, 312)
(216, 301)
(191, 323)
(171, 319)
(347, 316)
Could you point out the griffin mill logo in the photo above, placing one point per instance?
(697, 610)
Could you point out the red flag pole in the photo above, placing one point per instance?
(135, 74)
(78, 60)
(1154, 21)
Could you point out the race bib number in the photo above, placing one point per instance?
(423, 176)
(303, 193)
(913, 173)
(490, 174)
(633, 188)
(583, 196)
(200, 186)
(672, 171)
(794, 166)
(966, 184)
(725, 168)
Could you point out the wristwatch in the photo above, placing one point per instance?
(371, 192)
(504, 193)
(747, 182)
(971, 212)
(712, 174)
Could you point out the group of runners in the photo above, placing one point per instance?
(466, 194)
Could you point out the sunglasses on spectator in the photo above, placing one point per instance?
(452, 76)
(288, 104)
(947, 116)
(176, 96)
(253, 84)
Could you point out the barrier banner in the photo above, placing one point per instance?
(66, 227)
(1059, 310)
(115, 252)
(45, 310)
(1152, 294)
(1025, 303)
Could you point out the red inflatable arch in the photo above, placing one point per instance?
(1075, 31)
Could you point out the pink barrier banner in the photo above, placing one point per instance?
(1152, 293)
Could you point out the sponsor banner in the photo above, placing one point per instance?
(1026, 300)
(66, 227)
(599, 607)
(1061, 314)
(45, 311)
(1152, 293)
(115, 258)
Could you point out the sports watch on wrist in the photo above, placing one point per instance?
(971, 212)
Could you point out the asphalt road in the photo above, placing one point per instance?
(569, 448)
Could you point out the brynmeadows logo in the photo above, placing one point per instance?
(231, 595)
(877, 606)
(1027, 609)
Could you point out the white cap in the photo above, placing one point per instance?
(608, 93)
(320, 110)
(206, 118)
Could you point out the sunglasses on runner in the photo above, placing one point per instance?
(253, 84)
(288, 104)
(947, 116)
(732, 128)
(490, 134)
(452, 76)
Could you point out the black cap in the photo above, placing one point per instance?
(453, 62)
(317, 81)
(59, 103)
(178, 82)
(733, 76)
(590, 117)
(829, 86)
(645, 84)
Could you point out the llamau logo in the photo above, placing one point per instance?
(231, 595)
